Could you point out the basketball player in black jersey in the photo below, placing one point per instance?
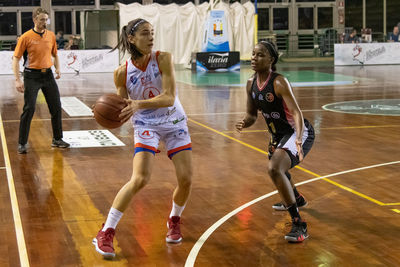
(292, 136)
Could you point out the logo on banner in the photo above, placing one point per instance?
(91, 60)
(73, 62)
(357, 54)
(216, 58)
(363, 56)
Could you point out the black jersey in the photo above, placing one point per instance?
(279, 120)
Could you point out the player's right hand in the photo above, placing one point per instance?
(127, 112)
(20, 86)
(240, 125)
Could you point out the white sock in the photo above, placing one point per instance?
(176, 210)
(112, 220)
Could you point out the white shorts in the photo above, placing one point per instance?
(176, 138)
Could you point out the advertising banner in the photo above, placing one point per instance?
(367, 54)
(72, 61)
(217, 61)
(216, 37)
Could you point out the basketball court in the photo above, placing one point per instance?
(54, 201)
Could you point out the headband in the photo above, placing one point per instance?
(272, 51)
(135, 26)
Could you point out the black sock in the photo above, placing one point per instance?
(296, 193)
(288, 175)
(294, 211)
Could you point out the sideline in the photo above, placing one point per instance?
(23, 255)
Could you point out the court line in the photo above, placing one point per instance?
(328, 128)
(64, 119)
(391, 204)
(197, 246)
(19, 231)
(297, 167)
(240, 112)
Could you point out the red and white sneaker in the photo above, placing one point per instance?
(174, 230)
(104, 242)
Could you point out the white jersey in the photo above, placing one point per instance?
(146, 83)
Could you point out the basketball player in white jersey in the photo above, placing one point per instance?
(147, 83)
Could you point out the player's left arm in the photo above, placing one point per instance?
(284, 90)
(167, 96)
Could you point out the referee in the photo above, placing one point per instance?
(40, 44)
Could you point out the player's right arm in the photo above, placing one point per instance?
(251, 109)
(120, 81)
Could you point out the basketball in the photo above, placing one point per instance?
(107, 109)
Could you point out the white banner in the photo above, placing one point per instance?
(179, 28)
(367, 54)
(72, 61)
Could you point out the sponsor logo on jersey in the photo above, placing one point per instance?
(270, 97)
(150, 92)
(146, 80)
(155, 70)
(139, 122)
(266, 115)
(147, 111)
(134, 80)
(254, 95)
(260, 97)
(171, 111)
(146, 134)
(275, 115)
(180, 132)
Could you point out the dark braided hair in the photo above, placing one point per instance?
(123, 42)
(272, 51)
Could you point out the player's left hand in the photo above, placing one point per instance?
(129, 110)
(299, 146)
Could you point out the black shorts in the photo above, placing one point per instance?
(287, 142)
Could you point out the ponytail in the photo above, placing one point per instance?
(123, 41)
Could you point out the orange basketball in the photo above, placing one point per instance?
(107, 109)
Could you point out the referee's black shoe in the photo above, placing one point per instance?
(299, 231)
(300, 201)
(59, 143)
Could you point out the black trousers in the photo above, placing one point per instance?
(33, 81)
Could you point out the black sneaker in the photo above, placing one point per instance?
(298, 233)
(22, 149)
(300, 201)
(59, 143)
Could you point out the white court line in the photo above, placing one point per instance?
(19, 231)
(241, 112)
(196, 248)
(2, 168)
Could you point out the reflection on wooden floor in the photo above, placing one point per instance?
(64, 195)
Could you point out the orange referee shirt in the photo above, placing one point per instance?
(40, 48)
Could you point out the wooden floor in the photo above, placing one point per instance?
(63, 196)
